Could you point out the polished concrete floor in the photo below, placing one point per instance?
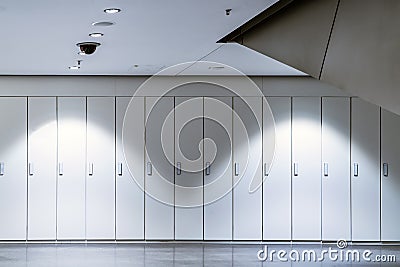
(173, 254)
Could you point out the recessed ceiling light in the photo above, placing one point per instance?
(74, 68)
(112, 10)
(103, 23)
(96, 34)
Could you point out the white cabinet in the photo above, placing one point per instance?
(129, 195)
(247, 155)
(218, 182)
(188, 154)
(390, 167)
(335, 168)
(42, 168)
(13, 152)
(100, 174)
(71, 168)
(365, 172)
(306, 169)
(277, 183)
(159, 169)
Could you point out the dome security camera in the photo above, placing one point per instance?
(88, 48)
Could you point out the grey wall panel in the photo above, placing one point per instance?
(292, 35)
(129, 196)
(365, 185)
(188, 185)
(159, 184)
(71, 188)
(42, 168)
(100, 174)
(390, 155)
(362, 57)
(218, 184)
(13, 153)
(306, 175)
(277, 198)
(335, 168)
(247, 152)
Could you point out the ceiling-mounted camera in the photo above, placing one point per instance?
(88, 48)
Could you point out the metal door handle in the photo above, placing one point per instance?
(326, 173)
(236, 169)
(90, 169)
(60, 168)
(120, 169)
(208, 168)
(1, 168)
(178, 168)
(265, 169)
(149, 169)
(385, 169)
(30, 169)
(296, 169)
(355, 169)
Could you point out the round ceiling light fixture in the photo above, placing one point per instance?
(96, 34)
(112, 10)
(103, 23)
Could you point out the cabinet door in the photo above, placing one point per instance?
(159, 179)
(13, 153)
(71, 168)
(42, 168)
(129, 196)
(100, 174)
(390, 176)
(277, 183)
(189, 183)
(247, 154)
(335, 168)
(218, 182)
(365, 181)
(306, 173)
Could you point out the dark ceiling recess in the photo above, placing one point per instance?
(352, 44)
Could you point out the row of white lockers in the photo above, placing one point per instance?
(336, 173)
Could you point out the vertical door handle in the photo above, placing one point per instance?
(296, 169)
(1, 168)
(178, 168)
(149, 169)
(265, 169)
(119, 171)
(30, 169)
(236, 169)
(326, 172)
(90, 169)
(60, 168)
(208, 168)
(385, 169)
(355, 169)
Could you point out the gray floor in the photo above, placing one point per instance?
(172, 254)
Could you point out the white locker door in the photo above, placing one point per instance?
(189, 183)
(71, 168)
(129, 196)
(13, 143)
(365, 181)
(390, 176)
(335, 168)
(218, 183)
(42, 168)
(100, 173)
(306, 169)
(277, 183)
(159, 179)
(247, 154)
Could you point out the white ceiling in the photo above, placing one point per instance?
(39, 37)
